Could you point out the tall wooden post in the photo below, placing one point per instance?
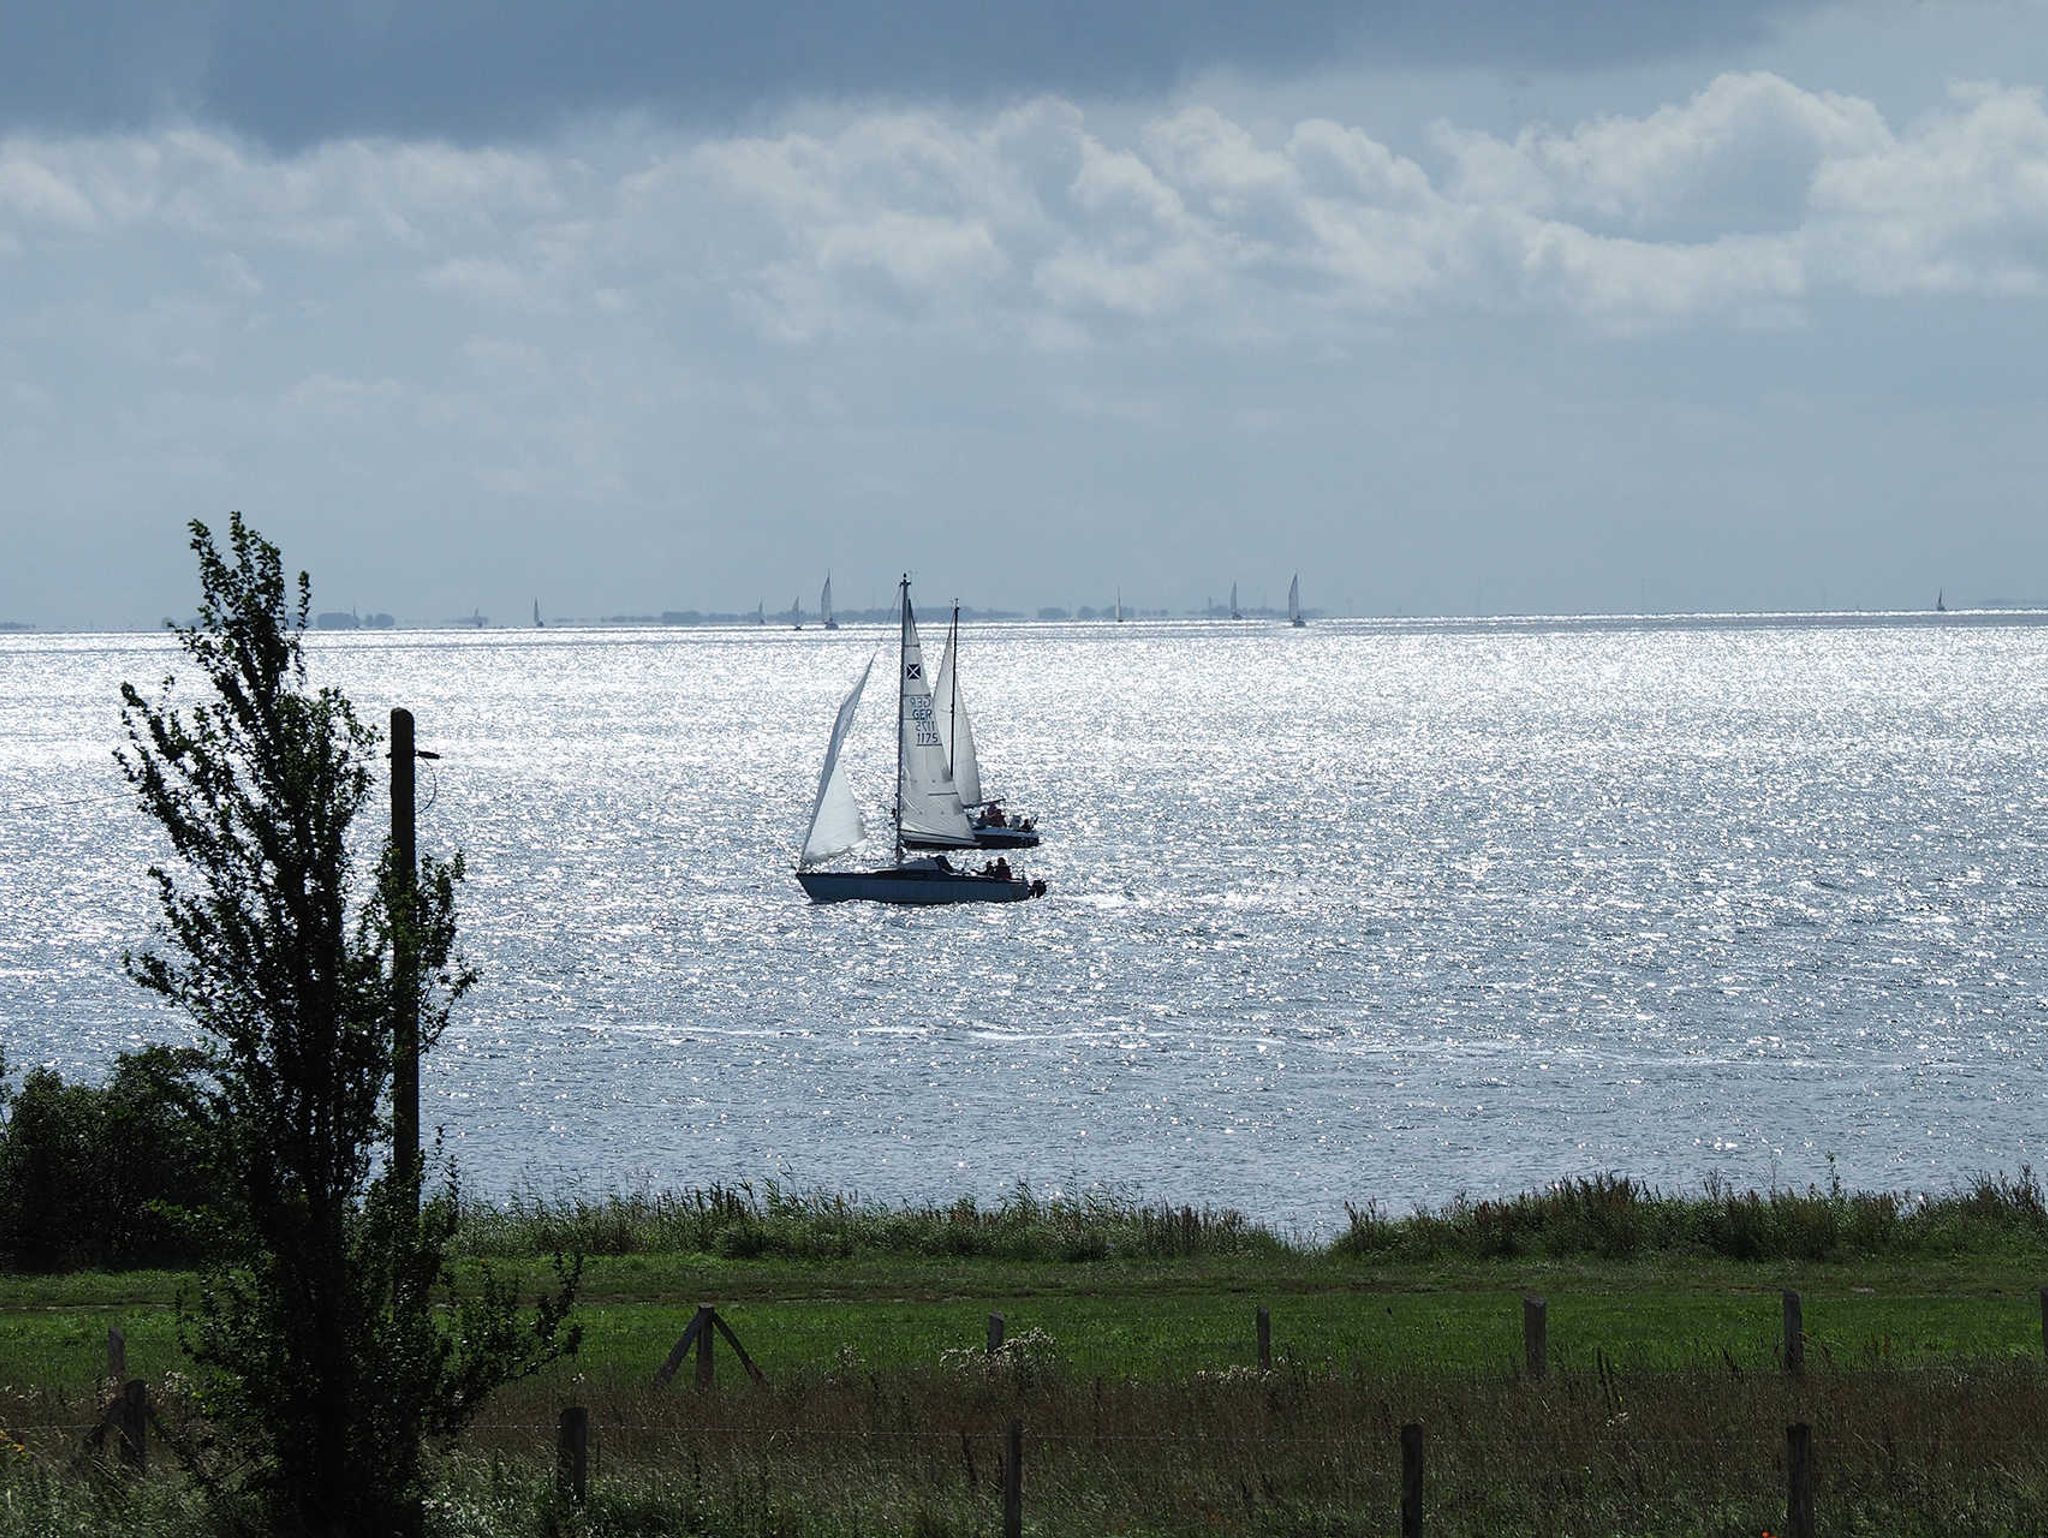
(1411, 1480)
(1795, 1335)
(704, 1328)
(1013, 1483)
(117, 1355)
(1535, 1336)
(405, 1023)
(995, 1333)
(1799, 1481)
(572, 1453)
(1265, 1341)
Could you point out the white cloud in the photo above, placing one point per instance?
(1744, 202)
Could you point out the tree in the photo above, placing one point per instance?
(318, 1345)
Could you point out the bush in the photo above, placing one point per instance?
(121, 1174)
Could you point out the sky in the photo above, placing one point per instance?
(1466, 307)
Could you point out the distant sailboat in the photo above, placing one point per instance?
(825, 604)
(760, 611)
(1119, 606)
(1294, 602)
(927, 807)
(1939, 606)
(992, 827)
(1235, 611)
(537, 622)
(796, 614)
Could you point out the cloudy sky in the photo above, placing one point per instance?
(1466, 306)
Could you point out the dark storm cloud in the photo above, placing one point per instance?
(290, 74)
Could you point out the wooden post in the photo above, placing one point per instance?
(134, 1426)
(1411, 1480)
(1265, 1341)
(703, 1347)
(1013, 1483)
(405, 1022)
(117, 1354)
(1799, 1481)
(995, 1333)
(1795, 1335)
(2044, 1321)
(1535, 1336)
(572, 1453)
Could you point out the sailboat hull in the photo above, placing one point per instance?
(916, 884)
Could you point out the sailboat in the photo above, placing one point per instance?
(1235, 611)
(537, 623)
(927, 807)
(991, 827)
(825, 604)
(1939, 606)
(796, 614)
(760, 611)
(1294, 602)
(1119, 606)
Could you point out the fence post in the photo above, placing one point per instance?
(134, 1425)
(703, 1346)
(117, 1352)
(1411, 1480)
(1799, 1481)
(572, 1453)
(1013, 1483)
(2044, 1321)
(1265, 1341)
(1535, 1335)
(1795, 1336)
(995, 1333)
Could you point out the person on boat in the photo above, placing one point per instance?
(994, 819)
(1002, 869)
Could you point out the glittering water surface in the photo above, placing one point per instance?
(1366, 911)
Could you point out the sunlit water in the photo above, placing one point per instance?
(1370, 911)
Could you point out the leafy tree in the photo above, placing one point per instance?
(316, 1336)
(116, 1174)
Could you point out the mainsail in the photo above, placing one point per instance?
(1294, 599)
(926, 802)
(825, 603)
(1235, 612)
(835, 819)
(954, 727)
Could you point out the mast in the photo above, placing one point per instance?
(953, 681)
(902, 650)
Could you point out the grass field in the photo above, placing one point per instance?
(1132, 1370)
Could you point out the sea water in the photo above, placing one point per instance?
(1370, 911)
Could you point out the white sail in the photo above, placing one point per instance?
(835, 819)
(1234, 611)
(1294, 599)
(957, 731)
(926, 802)
(825, 602)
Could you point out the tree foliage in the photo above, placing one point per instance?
(319, 1343)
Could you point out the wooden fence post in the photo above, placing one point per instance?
(572, 1453)
(1411, 1480)
(133, 1413)
(703, 1347)
(1535, 1336)
(1265, 1341)
(117, 1353)
(1013, 1483)
(2044, 1321)
(995, 1333)
(1795, 1335)
(1799, 1481)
